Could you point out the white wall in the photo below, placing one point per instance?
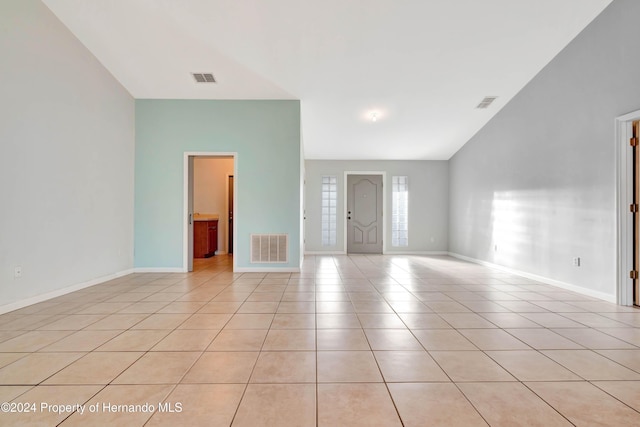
(428, 202)
(210, 193)
(538, 180)
(66, 159)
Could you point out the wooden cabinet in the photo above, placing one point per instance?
(205, 238)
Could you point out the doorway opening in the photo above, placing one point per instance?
(208, 232)
(365, 206)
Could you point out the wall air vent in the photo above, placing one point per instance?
(486, 102)
(204, 77)
(269, 248)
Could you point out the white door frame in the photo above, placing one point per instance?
(384, 206)
(226, 204)
(624, 197)
(186, 252)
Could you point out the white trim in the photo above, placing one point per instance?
(266, 270)
(303, 189)
(384, 206)
(546, 280)
(63, 291)
(185, 202)
(226, 205)
(624, 197)
(434, 253)
(158, 270)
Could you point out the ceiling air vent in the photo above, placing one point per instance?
(204, 77)
(486, 101)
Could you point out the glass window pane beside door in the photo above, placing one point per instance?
(400, 211)
(329, 210)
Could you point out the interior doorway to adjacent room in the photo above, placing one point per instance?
(207, 187)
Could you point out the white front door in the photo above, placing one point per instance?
(364, 214)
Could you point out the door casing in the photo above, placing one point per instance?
(187, 215)
(230, 205)
(624, 197)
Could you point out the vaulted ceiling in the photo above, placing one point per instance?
(420, 66)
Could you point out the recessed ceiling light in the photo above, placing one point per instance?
(373, 115)
(486, 102)
(204, 77)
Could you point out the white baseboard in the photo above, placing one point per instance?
(266, 270)
(385, 253)
(433, 253)
(63, 291)
(546, 280)
(158, 270)
(221, 253)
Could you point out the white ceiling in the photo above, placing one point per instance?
(422, 65)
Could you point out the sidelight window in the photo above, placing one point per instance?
(329, 210)
(400, 211)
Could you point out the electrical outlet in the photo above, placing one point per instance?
(17, 272)
(576, 262)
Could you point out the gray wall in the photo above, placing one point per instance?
(66, 159)
(538, 180)
(428, 202)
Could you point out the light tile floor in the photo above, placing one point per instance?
(350, 341)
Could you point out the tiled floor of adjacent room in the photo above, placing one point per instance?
(350, 341)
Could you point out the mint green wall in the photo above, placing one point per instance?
(266, 136)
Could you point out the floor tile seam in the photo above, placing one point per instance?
(601, 355)
(462, 393)
(593, 383)
(366, 337)
(75, 330)
(166, 303)
(636, 314)
(84, 403)
(597, 351)
(564, 315)
(635, 347)
(557, 410)
(95, 349)
(592, 351)
(421, 344)
(246, 385)
(35, 350)
(178, 351)
(493, 329)
(581, 347)
(540, 352)
(186, 320)
(604, 331)
(87, 354)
